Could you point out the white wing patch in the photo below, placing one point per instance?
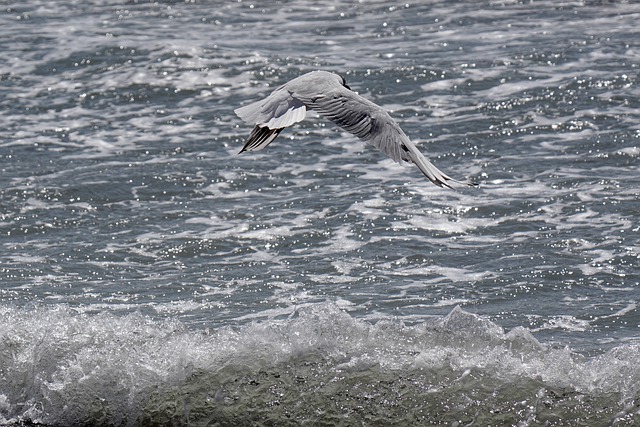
(278, 110)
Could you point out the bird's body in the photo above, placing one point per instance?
(328, 94)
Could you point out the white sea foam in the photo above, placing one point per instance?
(78, 353)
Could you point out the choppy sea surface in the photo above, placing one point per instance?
(150, 275)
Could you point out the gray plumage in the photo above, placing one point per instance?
(328, 94)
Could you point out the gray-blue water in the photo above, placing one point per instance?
(149, 275)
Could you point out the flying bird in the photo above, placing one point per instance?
(328, 94)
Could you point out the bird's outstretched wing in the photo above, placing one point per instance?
(373, 124)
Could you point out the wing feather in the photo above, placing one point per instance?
(278, 110)
(270, 115)
(362, 118)
(260, 137)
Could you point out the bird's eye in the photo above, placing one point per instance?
(344, 83)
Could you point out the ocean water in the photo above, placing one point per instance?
(151, 276)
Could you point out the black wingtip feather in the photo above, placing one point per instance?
(260, 137)
(446, 183)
